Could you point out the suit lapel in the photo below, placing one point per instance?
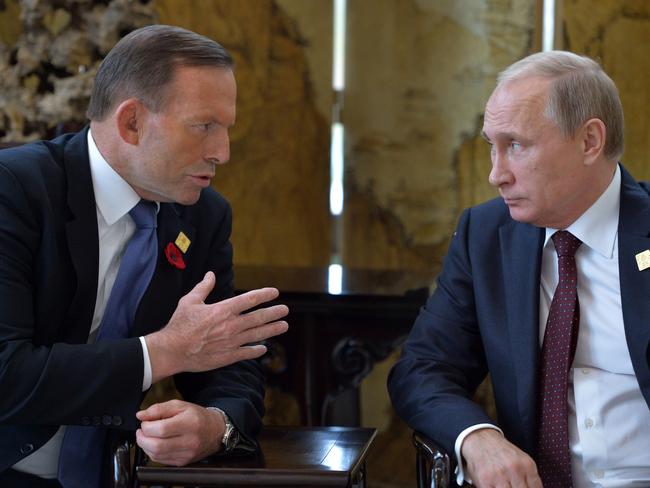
(161, 297)
(81, 232)
(633, 238)
(521, 254)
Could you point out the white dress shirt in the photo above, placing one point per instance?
(609, 420)
(114, 198)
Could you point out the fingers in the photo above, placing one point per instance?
(264, 316)
(171, 451)
(202, 289)
(262, 332)
(159, 411)
(250, 299)
(191, 434)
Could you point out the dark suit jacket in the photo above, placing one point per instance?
(484, 316)
(49, 249)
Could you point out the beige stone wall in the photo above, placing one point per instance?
(618, 34)
(277, 178)
(314, 21)
(419, 72)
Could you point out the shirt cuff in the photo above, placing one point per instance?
(460, 468)
(146, 377)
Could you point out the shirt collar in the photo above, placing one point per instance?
(113, 195)
(598, 226)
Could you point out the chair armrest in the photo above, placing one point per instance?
(121, 462)
(126, 457)
(432, 463)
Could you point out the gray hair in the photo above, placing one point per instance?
(580, 90)
(142, 64)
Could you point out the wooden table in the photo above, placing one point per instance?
(337, 331)
(290, 456)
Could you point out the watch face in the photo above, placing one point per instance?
(228, 436)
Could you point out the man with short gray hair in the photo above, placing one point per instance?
(545, 288)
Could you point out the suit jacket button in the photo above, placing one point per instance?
(107, 420)
(117, 420)
(97, 421)
(85, 420)
(26, 448)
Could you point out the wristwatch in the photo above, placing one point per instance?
(230, 437)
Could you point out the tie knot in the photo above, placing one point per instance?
(566, 244)
(144, 214)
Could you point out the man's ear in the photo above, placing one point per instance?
(129, 117)
(592, 135)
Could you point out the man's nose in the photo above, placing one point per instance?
(218, 149)
(500, 173)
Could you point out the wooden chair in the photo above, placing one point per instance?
(432, 464)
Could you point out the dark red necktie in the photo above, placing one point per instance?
(558, 349)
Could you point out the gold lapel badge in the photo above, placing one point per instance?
(643, 260)
(183, 242)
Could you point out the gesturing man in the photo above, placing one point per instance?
(116, 272)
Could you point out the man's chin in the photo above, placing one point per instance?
(520, 214)
(189, 199)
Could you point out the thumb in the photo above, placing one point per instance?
(203, 288)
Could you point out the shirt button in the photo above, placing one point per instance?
(589, 423)
(26, 448)
(584, 371)
(599, 473)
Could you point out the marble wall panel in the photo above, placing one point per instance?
(419, 73)
(617, 33)
(277, 179)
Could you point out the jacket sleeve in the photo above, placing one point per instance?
(51, 383)
(443, 361)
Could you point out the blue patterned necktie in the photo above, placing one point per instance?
(80, 461)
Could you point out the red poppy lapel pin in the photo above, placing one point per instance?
(175, 250)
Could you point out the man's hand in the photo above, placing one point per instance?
(201, 337)
(493, 462)
(178, 433)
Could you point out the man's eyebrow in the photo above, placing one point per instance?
(510, 136)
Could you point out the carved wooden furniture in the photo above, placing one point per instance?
(337, 331)
(289, 456)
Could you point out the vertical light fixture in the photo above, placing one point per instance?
(338, 87)
(337, 148)
(334, 279)
(548, 26)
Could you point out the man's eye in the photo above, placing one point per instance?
(515, 146)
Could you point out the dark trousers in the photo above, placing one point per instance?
(15, 479)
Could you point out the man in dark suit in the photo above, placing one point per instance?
(571, 375)
(160, 111)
